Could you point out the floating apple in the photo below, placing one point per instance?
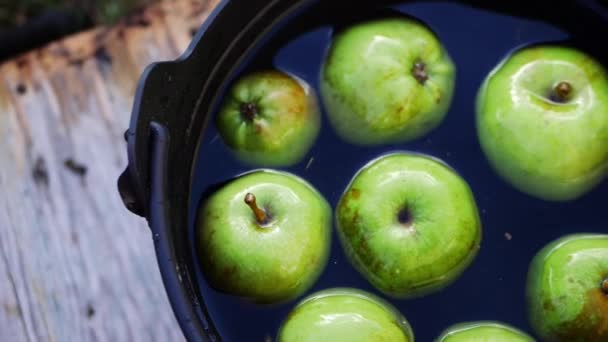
(344, 315)
(409, 224)
(270, 119)
(483, 332)
(542, 118)
(386, 81)
(568, 290)
(264, 236)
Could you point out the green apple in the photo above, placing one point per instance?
(386, 81)
(483, 332)
(409, 224)
(568, 290)
(542, 118)
(264, 236)
(344, 315)
(269, 119)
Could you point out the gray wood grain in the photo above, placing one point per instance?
(74, 264)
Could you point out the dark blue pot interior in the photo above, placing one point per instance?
(515, 226)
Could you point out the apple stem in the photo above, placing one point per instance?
(562, 91)
(249, 111)
(420, 73)
(605, 286)
(260, 214)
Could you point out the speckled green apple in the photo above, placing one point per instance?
(542, 118)
(345, 315)
(269, 119)
(386, 81)
(264, 236)
(409, 224)
(568, 289)
(483, 332)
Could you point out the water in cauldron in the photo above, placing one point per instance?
(515, 226)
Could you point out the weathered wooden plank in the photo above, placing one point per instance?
(14, 326)
(74, 265)
(184, 19)
(10, 315)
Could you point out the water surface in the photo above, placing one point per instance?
(515, 226)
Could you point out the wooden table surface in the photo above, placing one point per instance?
(74, 264)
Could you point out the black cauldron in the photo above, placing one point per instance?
(175, 101)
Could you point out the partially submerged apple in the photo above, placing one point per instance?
(542, 118)
(483, 332)
(386, 81)
(344, 315)
(264, 236)
(568, 289)
(409, 224)
(269, 119)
